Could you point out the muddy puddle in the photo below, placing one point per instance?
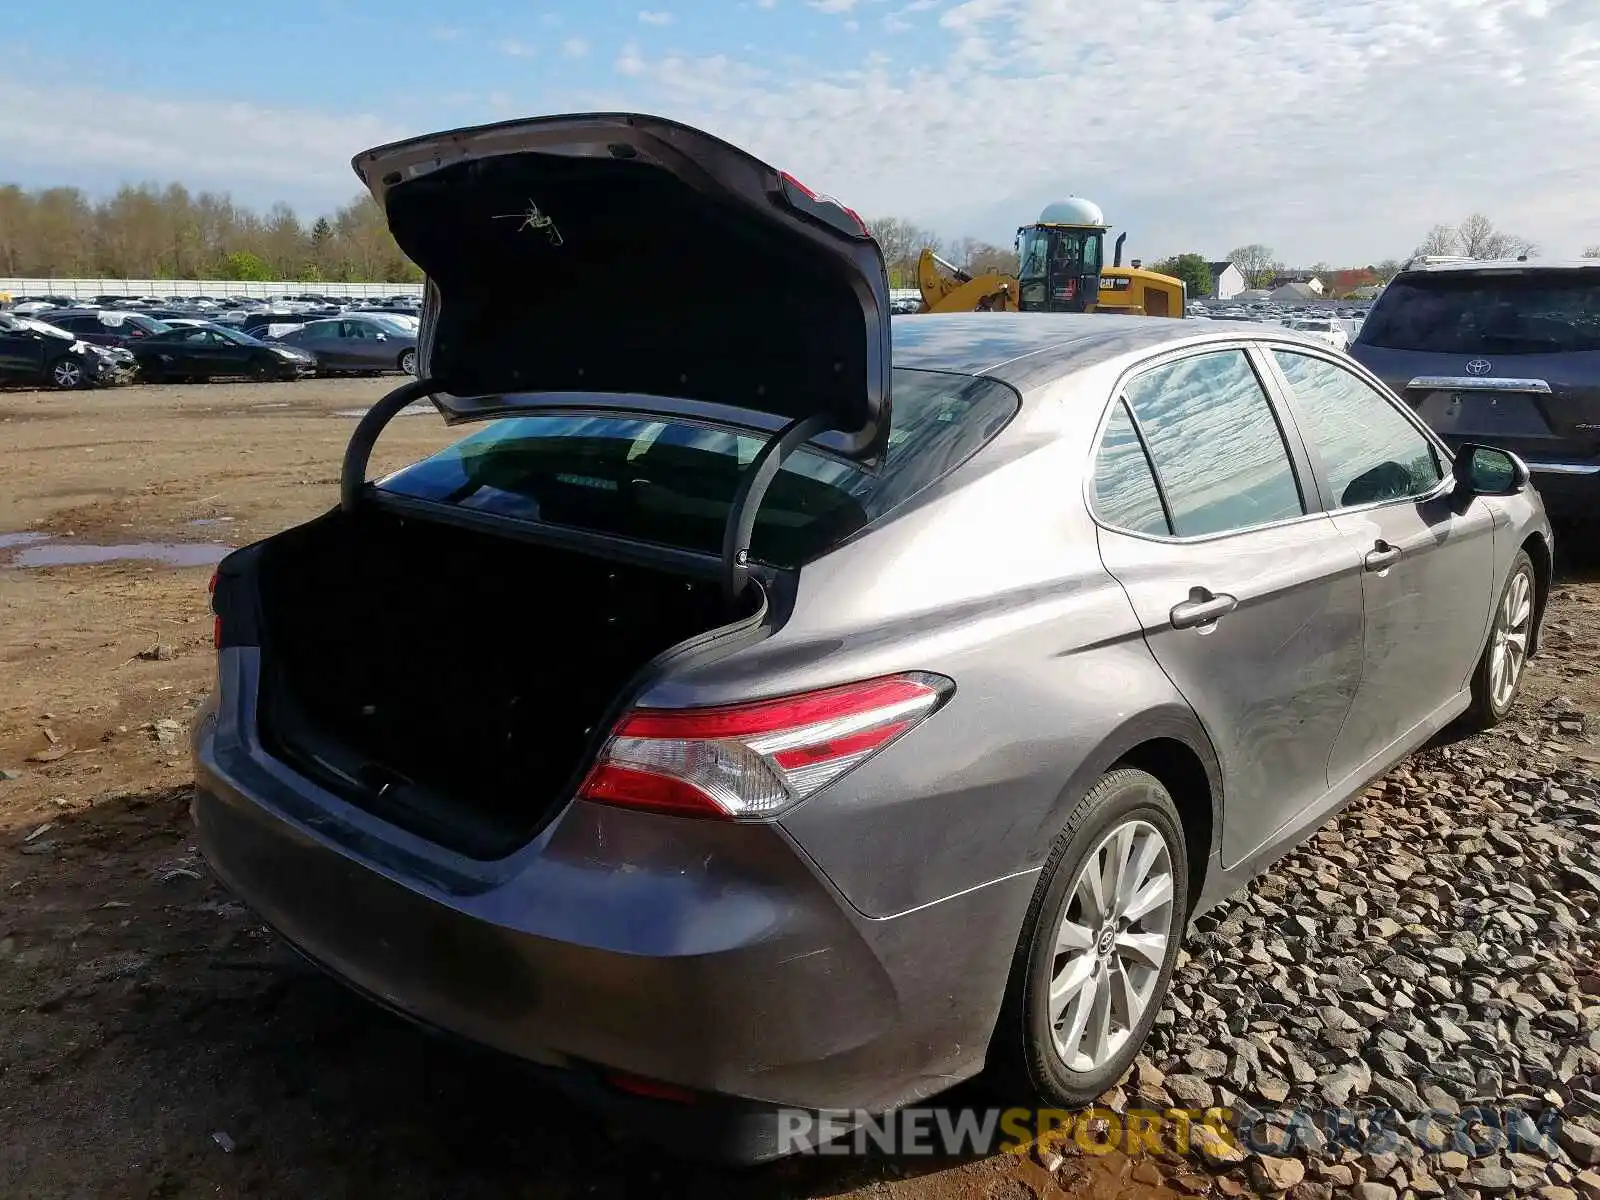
(40, 550)
(421, 408)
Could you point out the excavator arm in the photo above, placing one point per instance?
(947, 288)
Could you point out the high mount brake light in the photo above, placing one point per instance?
(840, 216)
(755, 760)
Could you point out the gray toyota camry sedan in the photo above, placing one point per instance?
(768, 704)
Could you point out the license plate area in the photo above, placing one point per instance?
(1486, 414)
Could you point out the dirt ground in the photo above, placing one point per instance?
(154, 1040)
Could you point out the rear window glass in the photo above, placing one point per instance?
(672, 483)
(1534, 312)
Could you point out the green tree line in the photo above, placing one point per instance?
(154, 232)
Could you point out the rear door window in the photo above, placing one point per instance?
(1488, 312)
(1369, 451)
(1125, 492)
(1218, 451)
(673, 482)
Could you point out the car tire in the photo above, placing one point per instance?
(1070, 1050)
(408, 362)
(1498, 678)
(261, 371)
(68, 374)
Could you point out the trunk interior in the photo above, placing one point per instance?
(450, 680)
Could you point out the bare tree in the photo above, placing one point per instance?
(1386, 270)
(902, 241)
(1479, 238)
(1254, 261)
(1591, 251)
(1441, 239)
(986, 258)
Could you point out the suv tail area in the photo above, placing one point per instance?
(1500, 353)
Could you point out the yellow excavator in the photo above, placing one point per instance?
(1062, 270)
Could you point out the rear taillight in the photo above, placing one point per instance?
(803, 199)
(755, 760)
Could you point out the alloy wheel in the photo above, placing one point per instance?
(1512, 624)
(1111, 945)
(67, 374)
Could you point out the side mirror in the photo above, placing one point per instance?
(1487, 471)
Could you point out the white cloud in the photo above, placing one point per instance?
(972, 13)
(852, 26)
(574, 47)
(444, 33)
(766, 3)
(630, 61)
(1337, 133)
(655, 18)
(516, 49)
(1328, 132)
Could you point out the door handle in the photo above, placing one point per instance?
(1201, 608)
(1382, 556)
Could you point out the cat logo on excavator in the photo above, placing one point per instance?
(1062, 269)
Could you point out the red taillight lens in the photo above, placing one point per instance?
(651, 1089)
(755, 760)
(852, 222)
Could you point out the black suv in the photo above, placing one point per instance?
(1506, 353)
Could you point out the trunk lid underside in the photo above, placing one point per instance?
(629, 254)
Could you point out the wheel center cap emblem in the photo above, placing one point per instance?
(1108, 939)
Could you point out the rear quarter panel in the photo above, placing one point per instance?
(994, 581)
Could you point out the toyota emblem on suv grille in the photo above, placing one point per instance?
(1479, 366)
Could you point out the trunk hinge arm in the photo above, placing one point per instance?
(757, 478)
(353, 476)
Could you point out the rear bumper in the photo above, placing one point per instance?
(1568, 489)
(707, 955)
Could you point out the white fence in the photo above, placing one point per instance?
(84, 288)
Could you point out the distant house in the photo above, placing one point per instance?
(1227, 281)
(1295, 293)
(1305, 277)
(1342, 283)
(1367, 291)
(1253, 294)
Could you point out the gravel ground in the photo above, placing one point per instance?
(1434, 952)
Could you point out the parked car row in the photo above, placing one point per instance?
(83, 347)
(221, 308)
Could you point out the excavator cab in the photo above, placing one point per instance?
(1059, 267)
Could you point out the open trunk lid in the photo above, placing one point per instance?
(618, 253)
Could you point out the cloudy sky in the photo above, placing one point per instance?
(1335, 130)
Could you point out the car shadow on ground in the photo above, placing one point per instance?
(1577, 552)
(157, 1040)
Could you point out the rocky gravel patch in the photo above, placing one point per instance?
(1409, 1005)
